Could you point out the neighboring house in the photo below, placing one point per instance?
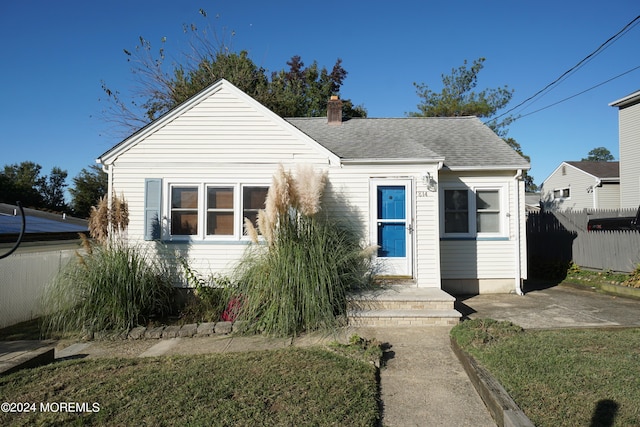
(443, 198)
(39, 225)
(532, 202)
(49, 242)
(629, 129)
(582, 185)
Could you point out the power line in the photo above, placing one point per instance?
(580, 93)
(574, 68)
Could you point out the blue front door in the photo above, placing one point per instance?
(391, 224)
(392, 214)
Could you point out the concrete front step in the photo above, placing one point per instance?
(403, 306)
(403, 317)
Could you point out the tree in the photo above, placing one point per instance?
(89, 186)
(23, 182)
(599, 154)
(296, 91)
(458, 98)
(52, 189)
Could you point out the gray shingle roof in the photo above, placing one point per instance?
(463, 142)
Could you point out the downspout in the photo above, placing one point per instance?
(518, 284)
(107, 169)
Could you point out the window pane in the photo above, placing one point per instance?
(456, 200)
(456, 211)
(184, 223)
(456, 222)
(220, 223)
(254, 197)
(219, 198)
(488, 222)
(488, 200)
(391, 202)
(184, 197)
(566, 192)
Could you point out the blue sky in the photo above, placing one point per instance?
(55, 54)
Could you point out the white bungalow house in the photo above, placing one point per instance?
(441, 197)
(629, 130)
(582, 185)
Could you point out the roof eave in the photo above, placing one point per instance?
(487, 168)
(627, 100)
(403, 161)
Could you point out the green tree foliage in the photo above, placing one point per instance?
(296, 91)
(52, 189)
(23, 182)
(599, 154)
(89, 186)
(459, 98)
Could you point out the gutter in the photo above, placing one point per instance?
(518, 280)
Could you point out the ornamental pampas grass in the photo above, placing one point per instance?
(309, 187)
(105, 219)
(300, 280)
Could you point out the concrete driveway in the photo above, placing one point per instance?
(555, 307)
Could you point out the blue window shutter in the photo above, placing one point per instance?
(152, 208)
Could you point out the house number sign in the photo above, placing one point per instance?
(422, 193)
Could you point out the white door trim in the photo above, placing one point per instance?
(393, 266)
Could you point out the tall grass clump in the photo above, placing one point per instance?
(298, 276)
(111, 285)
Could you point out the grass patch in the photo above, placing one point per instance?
(294, 386)
(578, 275)
(565, 377)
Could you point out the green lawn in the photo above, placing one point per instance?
(584, 377)
(294, 386)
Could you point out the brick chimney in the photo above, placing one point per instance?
(334, 110)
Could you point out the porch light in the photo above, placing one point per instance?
(429, 182)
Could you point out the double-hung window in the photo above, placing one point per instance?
(211, 211)
(474, 212)
(220, 213)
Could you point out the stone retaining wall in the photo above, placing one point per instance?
(171, 331)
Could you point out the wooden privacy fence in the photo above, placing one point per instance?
(562, 236)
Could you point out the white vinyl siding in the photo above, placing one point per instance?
(608, 196)
(629, 123)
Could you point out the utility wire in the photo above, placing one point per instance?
(575, 67)
(580, 93)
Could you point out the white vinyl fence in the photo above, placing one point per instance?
(23, 277)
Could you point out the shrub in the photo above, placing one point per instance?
(299, 277)
(633, 281)
(113, 286)
(210, 295)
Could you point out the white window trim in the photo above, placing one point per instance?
(238, 220)
(471, 203)
(561, 189)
